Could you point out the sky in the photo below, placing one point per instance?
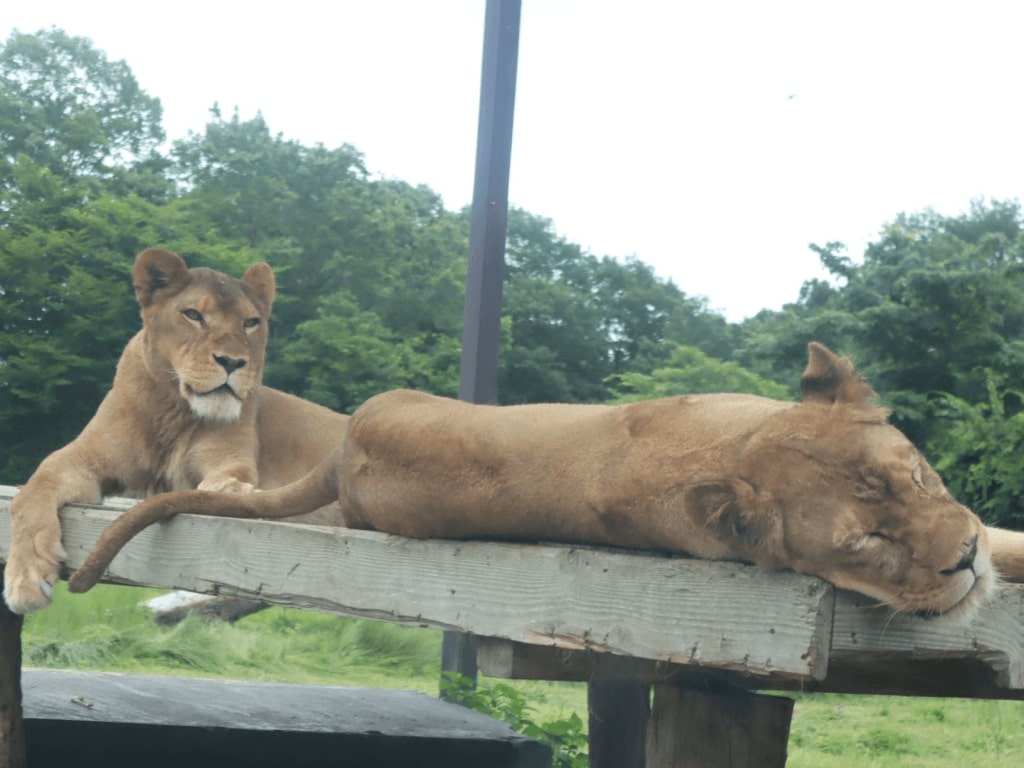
(712, 140)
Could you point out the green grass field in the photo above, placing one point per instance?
(105, 629)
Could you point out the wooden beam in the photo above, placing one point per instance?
(872, 652)
(643, 605)
(731, 728)
(994, 636)
(12, 736)
(619, 711)
(559, 612)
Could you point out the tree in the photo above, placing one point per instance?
(690, 371)
(934, 317)
(573, 320)
(77, 168)
(66, 311)
(978, 448)
(66, 109)
(370, 272)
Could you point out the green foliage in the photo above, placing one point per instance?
(979, 451)
(565, 736)
(66, 311)
(371, 272)
(933, 317)
(66, 110)
(689, 371)
(574, 320)
(371, 277)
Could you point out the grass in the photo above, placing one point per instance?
(894, 732)
(106, 629)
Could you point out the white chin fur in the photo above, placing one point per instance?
(217, 406)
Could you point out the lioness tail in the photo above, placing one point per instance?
(310, 492)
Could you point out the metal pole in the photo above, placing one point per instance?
(478, 373)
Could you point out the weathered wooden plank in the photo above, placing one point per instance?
(994, 636)
(872, 652)
(12, 738)
(618, 715)
(718, 615)
(692, 728)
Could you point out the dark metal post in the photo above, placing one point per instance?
(478, 378)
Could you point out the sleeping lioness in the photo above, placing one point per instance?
(186, 410)
(825, 487)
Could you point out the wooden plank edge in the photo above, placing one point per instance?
(238, 553)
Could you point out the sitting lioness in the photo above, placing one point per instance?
(186, 410)
(825, 487)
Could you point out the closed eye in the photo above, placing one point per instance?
(871, 539)
(871, 486)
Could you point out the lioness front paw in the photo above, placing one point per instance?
(29, 579)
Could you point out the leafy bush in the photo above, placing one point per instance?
(566, 736)
(979, 452)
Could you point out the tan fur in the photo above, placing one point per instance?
(186, 410)
(825, 487)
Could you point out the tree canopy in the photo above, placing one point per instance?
(371, 279)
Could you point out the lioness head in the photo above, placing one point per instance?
(828, 487)
(205, 330)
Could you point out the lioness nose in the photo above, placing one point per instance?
(967, 559)
(229, 364)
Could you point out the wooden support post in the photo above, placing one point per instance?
(12, 740)
(729, 728)
(619, 712)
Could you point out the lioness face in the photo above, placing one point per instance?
(879, 520)
(208, 330)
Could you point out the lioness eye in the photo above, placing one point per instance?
(251, 323)
(871, 538)
(192, 315)
(877, 537)
(871, 486)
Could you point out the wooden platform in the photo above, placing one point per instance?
(701, 636)
(107, 720)
(772, 629)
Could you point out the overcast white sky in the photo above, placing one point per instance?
(712, 140)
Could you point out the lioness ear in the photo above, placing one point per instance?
(260, 280)
(156, 269)
(729, 508)
(830, 379)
